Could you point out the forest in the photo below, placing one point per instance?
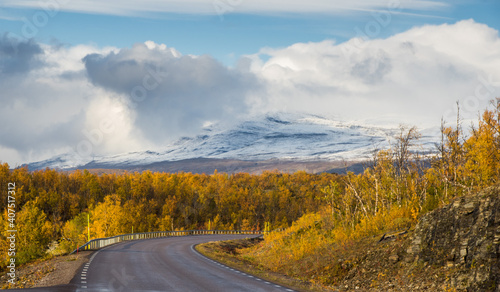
(54, 208)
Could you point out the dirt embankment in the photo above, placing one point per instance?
(55, 271)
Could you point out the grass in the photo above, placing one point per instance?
(231, 254)
(313, 255)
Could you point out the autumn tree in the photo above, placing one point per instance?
(34, 232)
(107, 218)
(483, 149)
(74, 233)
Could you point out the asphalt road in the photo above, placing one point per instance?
(164, 264)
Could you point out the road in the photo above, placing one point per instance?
(163, 264)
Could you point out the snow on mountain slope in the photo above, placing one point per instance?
(273, 136)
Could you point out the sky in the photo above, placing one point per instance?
(107, 77)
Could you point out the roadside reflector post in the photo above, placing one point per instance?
(88, 226)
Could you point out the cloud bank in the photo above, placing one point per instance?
(416, 75)
(91, 100)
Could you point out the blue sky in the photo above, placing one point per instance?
(232, 34)
(96, 77)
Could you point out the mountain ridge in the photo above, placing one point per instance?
(267, 140)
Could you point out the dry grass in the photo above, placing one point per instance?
(229, 253)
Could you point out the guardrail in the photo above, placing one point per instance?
(98, 243)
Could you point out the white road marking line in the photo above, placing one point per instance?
(277, 286)
(84, 282)
(84, 278)
(267, 283)
(84, 287)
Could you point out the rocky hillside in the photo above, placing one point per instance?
(453, 248)
(464, 235)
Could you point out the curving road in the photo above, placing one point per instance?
(164, 264)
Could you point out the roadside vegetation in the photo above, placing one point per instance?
(319, 215)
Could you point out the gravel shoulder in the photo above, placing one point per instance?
(55, 271)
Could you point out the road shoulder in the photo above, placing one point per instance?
(52, 272)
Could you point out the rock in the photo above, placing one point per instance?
(464, 234)
(394, 258)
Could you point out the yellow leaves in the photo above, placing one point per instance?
(74, 233)
(166, 223)
(483, 151)
(34, 232)
(107, 218)
(472, 162)
(414, 213)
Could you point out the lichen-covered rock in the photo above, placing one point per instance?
(465, 236)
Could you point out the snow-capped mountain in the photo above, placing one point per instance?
(274, 136)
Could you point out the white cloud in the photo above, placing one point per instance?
(45, 99)
(417, 74)
(57, 99)
(108, 123)
(130, 7)
(171, 95)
